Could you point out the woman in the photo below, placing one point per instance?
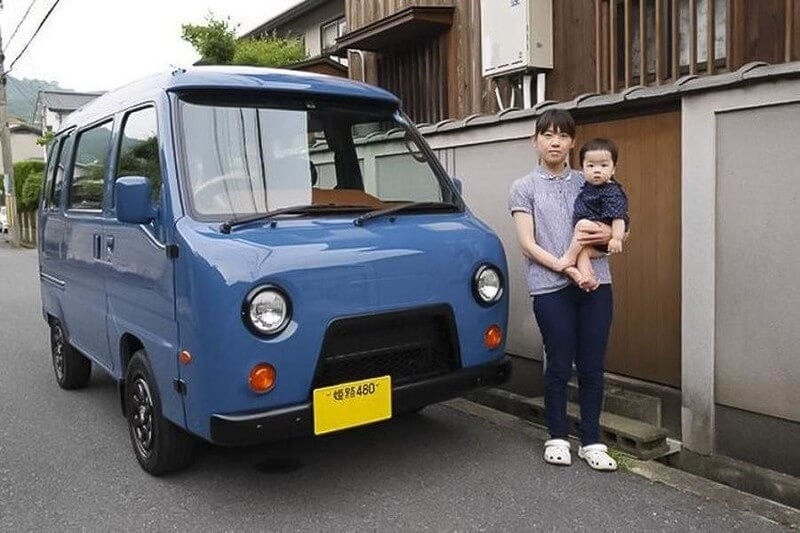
(574, 321)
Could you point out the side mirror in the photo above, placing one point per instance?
(133, 199)
(459, 186)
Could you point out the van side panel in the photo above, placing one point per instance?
(51, 227)
(141, 302)
(84, 300)
(140, 284)
(51, 239)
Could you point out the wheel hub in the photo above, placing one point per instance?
(142, 420)
(58, 352)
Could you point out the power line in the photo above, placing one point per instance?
(19, 24)
(11, 67)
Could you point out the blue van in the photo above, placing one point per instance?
(258, 254)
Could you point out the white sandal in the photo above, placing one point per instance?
(596, 456)
(556, 452)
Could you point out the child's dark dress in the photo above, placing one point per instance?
(601, 203)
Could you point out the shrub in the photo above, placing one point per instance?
(28, 198)
(216, 43)
(269, 52)
(23, 171)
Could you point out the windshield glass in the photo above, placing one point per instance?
(242, 161)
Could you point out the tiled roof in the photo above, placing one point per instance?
(66, 100)
(638, 95)
(24, 128)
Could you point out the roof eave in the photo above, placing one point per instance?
(287, 16)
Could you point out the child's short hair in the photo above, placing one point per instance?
(557, 119)
(606, 145)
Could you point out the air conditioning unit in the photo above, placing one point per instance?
(516, 36)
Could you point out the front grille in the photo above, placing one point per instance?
(407, 345)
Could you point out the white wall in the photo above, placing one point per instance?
(758, 212)
(52, 120)
(23, 146)
(706, 360)
(308, 25)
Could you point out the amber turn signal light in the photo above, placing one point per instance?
(185, 357)
(493, 337)
(262, 378)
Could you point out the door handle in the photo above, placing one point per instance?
(109, 244)
(96, 246)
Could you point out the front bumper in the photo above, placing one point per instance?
(298, 420)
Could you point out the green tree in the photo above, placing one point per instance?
(29, 198)
(142, 160)
(46, 137)
(216, 43)
(27, 183)
(215, 40)
(272, 51)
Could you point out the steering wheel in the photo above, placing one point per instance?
(211, 197)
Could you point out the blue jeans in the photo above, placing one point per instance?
(575, 326)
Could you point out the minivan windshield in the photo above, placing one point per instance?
(243, 160)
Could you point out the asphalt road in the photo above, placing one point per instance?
(66, 465)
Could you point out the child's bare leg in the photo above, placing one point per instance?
(584, 263)
(585, 268)
(570, 257)
(599, 233)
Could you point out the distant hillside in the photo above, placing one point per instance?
(22, 96)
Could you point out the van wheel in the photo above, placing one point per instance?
(159, 445)
(71, 367)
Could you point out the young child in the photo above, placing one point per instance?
(601, 201)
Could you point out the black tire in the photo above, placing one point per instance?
(159, 445)
(72, 369)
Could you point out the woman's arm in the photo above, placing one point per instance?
(523, 222)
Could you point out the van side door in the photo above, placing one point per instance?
(51, 224)
(84, 248)
(140, 285)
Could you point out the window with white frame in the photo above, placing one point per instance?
(330, 31)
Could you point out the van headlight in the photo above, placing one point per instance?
(487, 285)
(266, 310)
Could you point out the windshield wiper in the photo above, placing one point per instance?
(228, 225)
(444, 206)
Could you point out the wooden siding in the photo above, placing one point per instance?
(359, 13)
(573, 50)
(680, 36)
(589, 52)
(466, 90)
(418, 73)
(760, 31)
(646, 334)
(470, 93)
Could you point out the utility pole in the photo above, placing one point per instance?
(5, 145)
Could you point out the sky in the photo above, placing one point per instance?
(98, 45)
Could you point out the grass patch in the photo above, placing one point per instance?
(624, 461)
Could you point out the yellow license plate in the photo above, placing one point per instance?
(352, 404)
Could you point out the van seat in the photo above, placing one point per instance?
(344, 197)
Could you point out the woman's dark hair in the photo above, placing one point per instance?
(559, 120)
(605, 145)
